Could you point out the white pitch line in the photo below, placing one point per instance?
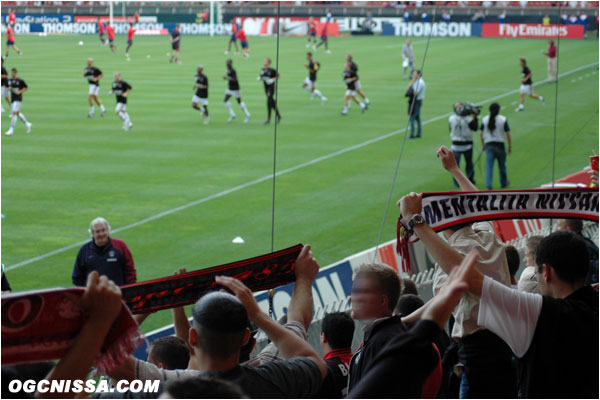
(268, 177)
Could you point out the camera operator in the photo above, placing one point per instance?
(462, 125)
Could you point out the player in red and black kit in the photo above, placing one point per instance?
(268, 75)
(12, 18)
(101, 30)
(233, 39)
(312, 32)
(241, 35)
(175, 42)
(110, 31)
(233, 89)
(10, 40)
(17, 87)
(201, 96)
(324, 38)
(130, 33)
(337, 332)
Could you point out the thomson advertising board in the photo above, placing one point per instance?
(532, 31)
(436, 29)
(79, 28)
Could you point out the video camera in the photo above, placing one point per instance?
(464, 109)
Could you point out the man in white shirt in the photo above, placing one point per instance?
(416, 95)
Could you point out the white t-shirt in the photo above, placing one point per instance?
(510, 314)
(460, 132)
(499, 133)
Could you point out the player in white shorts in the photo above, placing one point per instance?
(5, 92)
(121, 89)
(310, 83)
(201, 95)
(17, 87)
(233, 89)
(526, 85)
(93, 75)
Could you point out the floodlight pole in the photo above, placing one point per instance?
(110, 12)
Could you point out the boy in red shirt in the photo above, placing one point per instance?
(12, 18)
(101, 30)
(241, 35)
(233, 39)
(312, 32)
(10, 40)
(110, 31)
(130, 33)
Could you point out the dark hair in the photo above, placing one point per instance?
(513, 259)
(309, 54)
(201, 387)
(576, 225)
(494, 110)
(408, 303)
(13, 69)
(419, 72)
(338, 328)
(409, 287)
(566, 253)
(171, 351)
(220, 321)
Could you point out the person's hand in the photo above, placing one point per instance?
(242, 292)
(509, 149)
(102, 298)
(180, 271)
(593, 176)
(306, 267)
(446, 156)
(482, 146)
(410, 205)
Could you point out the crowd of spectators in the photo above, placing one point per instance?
(485, 333)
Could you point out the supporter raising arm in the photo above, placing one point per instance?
(101, 301)
(446, 156)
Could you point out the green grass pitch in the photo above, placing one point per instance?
(71, 169)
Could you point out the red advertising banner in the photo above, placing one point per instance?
(255, 26)
(532, 31)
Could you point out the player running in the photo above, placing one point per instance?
(121, 89)
(310, 83)
(93, 75)
(175, 42)
(312, 32)
(324, 38)
(5, 85)
(130, 33)
(110, 31)
(233, 39)
(241, 35)
(268, 75)
(354, 69)
(12, 17)
(350, 78)
(526, 85)
(17, 87)
(101, 30)
(201, 96)
(10, 40)
(233, 89)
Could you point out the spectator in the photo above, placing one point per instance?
(528, 280)
(445, 16)
(502, 17)
(375, 292)
(409, 287)
(514, 260)
(416, 95)
(408, 59)
(220, 330)
(108, 256)
(202, 388)
(405, 365)
(337, 331)
(169, 352)
(546, 20)
(487, 360)
(495, 132)
(407, 304)
(576, 226)
(554, 335)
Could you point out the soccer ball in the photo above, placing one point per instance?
(80, 43)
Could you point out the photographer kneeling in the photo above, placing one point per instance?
(462, 125)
